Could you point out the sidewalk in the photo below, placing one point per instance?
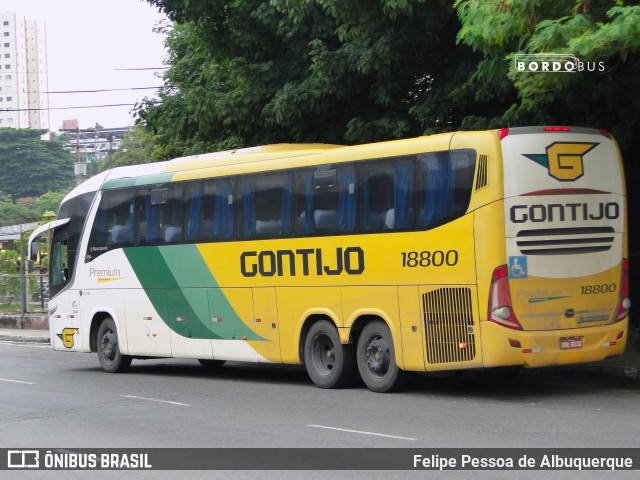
(626, 365)
(24, 335)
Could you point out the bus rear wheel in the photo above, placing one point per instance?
(377, 359)
(108, 346)
(329, 363)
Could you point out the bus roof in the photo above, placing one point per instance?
(245, 155)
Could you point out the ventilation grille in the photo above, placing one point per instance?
(448, 319)
(481, 178)
(565, 241)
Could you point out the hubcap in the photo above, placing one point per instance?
(325, 353)
(378, 356)
(109, 344)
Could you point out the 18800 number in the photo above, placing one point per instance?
(596, 289)
(426, 258)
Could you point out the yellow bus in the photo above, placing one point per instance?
(470, 250)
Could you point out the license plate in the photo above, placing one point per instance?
(568, 343)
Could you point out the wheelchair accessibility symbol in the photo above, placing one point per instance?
(518, 268)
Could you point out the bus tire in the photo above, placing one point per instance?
(377, 360)
(108, 347)
(329, 363)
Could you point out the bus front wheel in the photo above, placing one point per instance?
(377, 360)
(108, 346)
(329, 363)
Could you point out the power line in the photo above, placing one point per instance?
(144, 68)
(66, 108)
(89, 91)
(104, 90)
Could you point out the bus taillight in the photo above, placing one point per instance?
(500, 308)
(623, 302)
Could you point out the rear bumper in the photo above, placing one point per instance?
(542, 348)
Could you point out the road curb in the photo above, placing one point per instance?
(24, 339)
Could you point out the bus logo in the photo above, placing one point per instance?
(563, 160)
(67, 336)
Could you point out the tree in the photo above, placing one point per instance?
(9, 285)
(137, 147)
(254, 72)
(30, 166)
(603, 34)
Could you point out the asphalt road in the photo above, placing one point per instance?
(63, 400)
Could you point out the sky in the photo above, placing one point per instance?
(95, 45)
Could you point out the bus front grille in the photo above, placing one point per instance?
(448, 319)
(565, 241)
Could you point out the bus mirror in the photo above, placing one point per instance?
(33, 253)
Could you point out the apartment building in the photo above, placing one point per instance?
(23, 73)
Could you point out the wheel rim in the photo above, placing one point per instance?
(377, 356)
(324, 354)
(109, 344)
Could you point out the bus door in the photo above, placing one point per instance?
(64, 307)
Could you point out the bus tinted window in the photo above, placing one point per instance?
(66, 239)
(325, 200)
(445, 181)
(209, 210)
(265, 205)
(158, 215)
(114, 224)
(387, 195)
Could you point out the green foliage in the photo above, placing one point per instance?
(30, 166)
(603, 34)
(26, 210)
(251, 72)
(136, 148)
(9, 285)
(254, 72)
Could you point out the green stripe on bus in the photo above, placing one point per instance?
(181, 288)
(156, 179)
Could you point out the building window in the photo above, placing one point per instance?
(9, 99)
(7, 55)
(7, 45)
(6, 34)
(5, 23)
(7, 77)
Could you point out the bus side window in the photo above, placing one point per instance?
(387, 195)
(445, 182)
(325, 200)
(265, 205)
(209, 213)
(59, 263)
(223, 208)
(159, 215)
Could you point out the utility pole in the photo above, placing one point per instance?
(80, 168)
